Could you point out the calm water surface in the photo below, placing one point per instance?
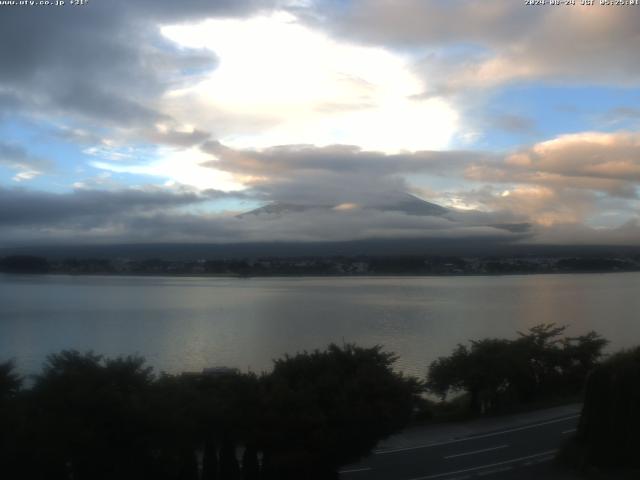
(189, 323)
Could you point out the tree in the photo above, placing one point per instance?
(10, 419)
(483, 371)
(539, 359)
(10, 381)
(497, 373)
(173, 426)
(581, 355)
(227, 410)
(90, 417)
(608, 432)
(329, 408)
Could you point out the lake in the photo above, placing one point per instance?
(185, 324)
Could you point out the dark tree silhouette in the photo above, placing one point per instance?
(228, 409)
(173, 408)
(92, 418)
(10, 419)
(607, 434)
(10, 381)
(328, 408)
(498, 373)
(481, 371)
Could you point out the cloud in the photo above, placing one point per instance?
(579, 234)
(568, 179)
(605, 162)
(347, 192)
(87, 216)
(534, 203)
(590, 177)
(620, 115)
(289, 83)
(500, 40)
(341, 110)
(342, 159)
(168, 135)
(160, 215)
(513, 123)
(27, 166)
(86, 208)
(235, 69)
(177, 166)
(106, 62)
(333, 175)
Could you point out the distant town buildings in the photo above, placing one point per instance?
(359, 265)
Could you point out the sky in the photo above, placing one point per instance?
(165, 121)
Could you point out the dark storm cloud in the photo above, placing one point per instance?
(47, 210)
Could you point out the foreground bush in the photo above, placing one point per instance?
(88, 417)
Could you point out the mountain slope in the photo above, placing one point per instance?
(404, 202)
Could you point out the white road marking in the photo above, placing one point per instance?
(569, 431)
(476, 451)
(475, 437)
(481, 467)
(355, 470)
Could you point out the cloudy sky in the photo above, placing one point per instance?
(165, 120)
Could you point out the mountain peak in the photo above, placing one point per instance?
(404, 203)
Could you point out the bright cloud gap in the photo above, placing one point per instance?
(294, 85)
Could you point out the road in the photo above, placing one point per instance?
(502, 454)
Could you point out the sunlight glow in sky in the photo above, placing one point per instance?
(179, 167)
(311, 89)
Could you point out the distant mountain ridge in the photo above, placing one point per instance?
(404, 203)
(485, 246)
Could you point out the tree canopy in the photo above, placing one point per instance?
(607, 434)
(96, 418)
(328, 408)
(496, 373)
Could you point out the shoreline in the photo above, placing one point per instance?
(313, 275)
